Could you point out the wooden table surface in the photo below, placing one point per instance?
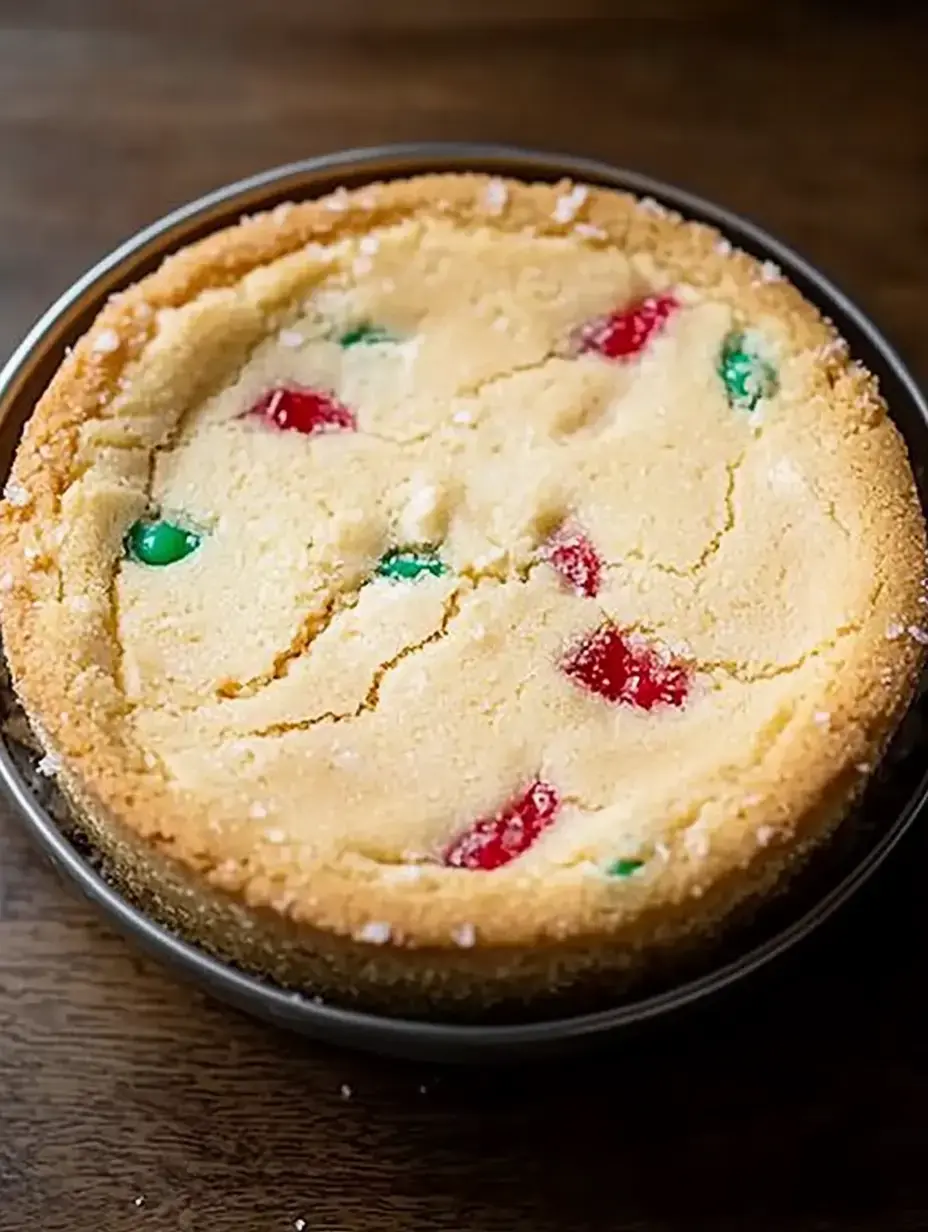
(130, 1102)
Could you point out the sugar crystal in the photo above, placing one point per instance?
(106, 342)
(566, 206)
(377, 932)
(495, 197)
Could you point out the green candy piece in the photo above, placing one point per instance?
(160, 543)
(407, 564)
(624, 867)
(746, 375)
(364, 334)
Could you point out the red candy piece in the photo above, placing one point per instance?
(625, 333)
(624, 668)
(573, 557)
(303, 410)
(495, 841)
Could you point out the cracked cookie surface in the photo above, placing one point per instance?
(403, 504)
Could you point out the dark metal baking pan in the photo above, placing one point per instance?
(892, 803)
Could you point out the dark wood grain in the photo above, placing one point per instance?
(130, 1102)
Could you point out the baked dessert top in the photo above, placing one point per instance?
(465, 562)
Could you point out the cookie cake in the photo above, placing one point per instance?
(459, 589)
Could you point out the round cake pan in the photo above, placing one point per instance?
(893, 800)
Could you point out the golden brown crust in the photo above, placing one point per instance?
(805, 780)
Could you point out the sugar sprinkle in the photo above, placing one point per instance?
(15, 494)
(337, 200)
(49, 765)
(652, 207)
(836, 348)
(590, 232)
(495, 197)
(566, 206)
(770, 272)
(106, 342)
(377, 932)
(464, 935)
